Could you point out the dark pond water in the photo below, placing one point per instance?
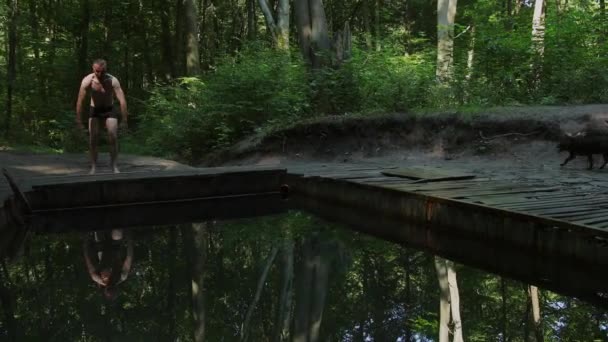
(280, 278)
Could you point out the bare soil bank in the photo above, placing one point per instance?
(497, 133)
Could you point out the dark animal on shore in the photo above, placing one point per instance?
(584, 144)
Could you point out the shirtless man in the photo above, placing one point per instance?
(103, 86)
(108, 256)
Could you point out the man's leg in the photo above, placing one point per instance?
(112, 127)
(93, 138)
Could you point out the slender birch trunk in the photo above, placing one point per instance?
(258, 293)
(444, 300)
(446, 14)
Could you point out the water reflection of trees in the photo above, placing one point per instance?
(280, 278)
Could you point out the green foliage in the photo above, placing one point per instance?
(257, 87)
(390, 82)
(247, 87)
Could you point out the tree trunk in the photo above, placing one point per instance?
(35, 26)
(538, 27)
(84, 39)
(536, 320)
(167, 51)
(270, 22)
(503, 295)
(446, 13)
(11, 63)
(167, 330)
(282, 323)
(145, 36)
(454, 301)
(252, 28)
(258, 293)
(377, 26)
(311, 290)
(470, 63)
(367, 30)
(178, 40)
(195, 241)
(283, 25)
(538, 42)
(107, 24)
(193, 62)
(312, 32)
(279, 28)
(408, 296)
(444, 299)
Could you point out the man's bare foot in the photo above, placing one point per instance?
(115, 169)
(92, 171)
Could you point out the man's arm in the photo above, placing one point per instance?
(126, 266)
(120, 95)
(86, 82)
(90, 268)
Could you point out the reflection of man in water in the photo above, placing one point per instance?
(113, 253)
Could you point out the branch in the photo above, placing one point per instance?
(270, 21)
(463, 32)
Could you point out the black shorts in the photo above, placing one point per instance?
(103, 112)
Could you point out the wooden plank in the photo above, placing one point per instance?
(463, 194)
(597, 221)
(379, 180)
(587, 218)
(158, 213)
(17, 191)
(435, 186)
(584, 216)
(155, 189)
(428, 174)
(449, 184)
(553, 204)
(559, 215)
(351, 174)
(445, 187)
(562, 210)
(531, 198)
(494, 200)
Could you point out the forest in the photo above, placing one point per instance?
(200, 75)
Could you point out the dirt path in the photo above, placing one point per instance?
(33, 164)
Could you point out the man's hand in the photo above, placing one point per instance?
(80, 125)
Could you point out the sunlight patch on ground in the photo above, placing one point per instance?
(46, 169)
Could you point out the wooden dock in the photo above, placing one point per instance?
(526, 228)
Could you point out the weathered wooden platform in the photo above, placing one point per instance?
(530, 229)
(557, 220)
(525, 227)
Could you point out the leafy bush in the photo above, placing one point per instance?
(257, 87)
(389, 82)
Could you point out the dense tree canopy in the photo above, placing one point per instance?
(201, 74)
(367, 56)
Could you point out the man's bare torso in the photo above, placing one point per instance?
(102, 90)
